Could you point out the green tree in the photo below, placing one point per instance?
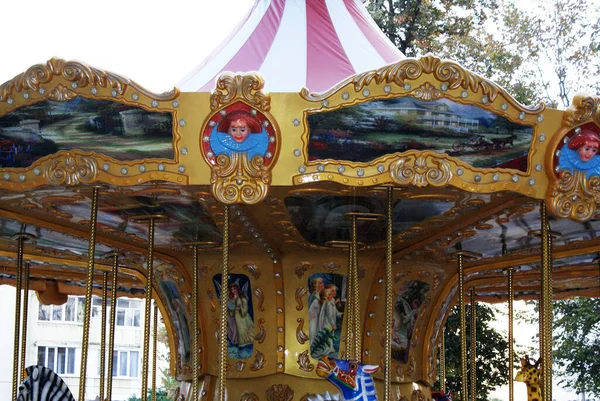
(577, 344)
(492, 352)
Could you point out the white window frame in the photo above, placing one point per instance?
(130, 355)
(70, 352)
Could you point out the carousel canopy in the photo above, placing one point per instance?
(297, 44)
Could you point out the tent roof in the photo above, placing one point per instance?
(297, 44)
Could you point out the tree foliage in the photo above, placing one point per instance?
(577, 344)
(491, 348)
(543, 50)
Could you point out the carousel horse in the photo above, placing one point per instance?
(441, 395)
(530, 375)
(352, 379)
(42, 384)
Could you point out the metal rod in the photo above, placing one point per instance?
(356, 295)
(463, 328)
(349, 306)
(19, 273)
(154, 352)
(88, 295)
(224, 291)
(195, 324)
(389, 300)
(443, 361)
(511, 351)
(473, 346)
(103, 333)
(149, 280)
(546, 304)
(111, 333)
(24, 322)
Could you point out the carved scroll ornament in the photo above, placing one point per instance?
(575, 196)
(239, 180)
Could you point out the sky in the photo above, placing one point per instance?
(154, 43)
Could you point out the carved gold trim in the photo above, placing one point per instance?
(249, 396)
(300, 292)
(61, 93)
(259, 361)
(575, 196)
(240, 180)
(246, 87)
(304, 362)
(444, 71)
(421, 170)
(583, 108)
(300, 335)
(427, 92)
(71, 169)
(253, 270)
(303, 267)
(262, 333)
(261, 298)
(280, 392)
(80, 74)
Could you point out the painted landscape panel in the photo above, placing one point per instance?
(117, 130)
(364, 132)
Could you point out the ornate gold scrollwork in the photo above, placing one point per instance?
(248, 396)
(246, 87)
(582, 108)
(262, 333)
(421, 170)
(575, 195)
(280, 392)
(240, 365)
(300, 335)
(302, 267)
(259, 361)
(73, 71)
(253, 270)
(61, 93)
(240, 180)
(304, 362)
(418, 395)
(300, 292)
(261, 298)
(71, 169)
(427, 92)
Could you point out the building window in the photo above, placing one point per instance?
(129, 312)
(60, 359)
(125, 364)
(70, 311)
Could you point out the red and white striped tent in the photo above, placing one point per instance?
(297, 44)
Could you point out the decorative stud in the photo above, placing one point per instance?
(74, 85)
(360, 172)
(504, 106)
(143, 168)
(22, 177)
(341, 169)
(366, 92)
(325, 103)
(542, 137)
(105, 167)
(113, 93)
(297, 152)
(135, 97)
(42, 91)
(295, 122)
(94, 91)
(161, 167)
(477, 177)
(302, 169)
(10, 100)
(184, 151)
(387, 89)
(345, 96)
(522, 115)
(175, 103)
(36, 171)
(182, 122)
(459, 171)
(464, 94)
(380, 168)
(515, 178)
(531, 181)
(26, 95)
(181, 169)
(495, 177)
(320, 168)
(538, 167)
(444, 86)
(154, 103)
(124, 171)
(484, 100)
(407, 86)
(540, 118)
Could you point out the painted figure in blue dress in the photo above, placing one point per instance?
(580, 154)
(239, 132)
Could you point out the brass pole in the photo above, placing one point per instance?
(473, 346)
(88, 294)
(103, 333)
(356, 296)
(149, 281)
(349, 315)
(195, 324)
(546, 304)
(389, 300)
(463, 328)
(24, 327)
(19, 273)
(154, 353)
(111, 332)
(224, 291)
(443, 361)
(511, 351)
